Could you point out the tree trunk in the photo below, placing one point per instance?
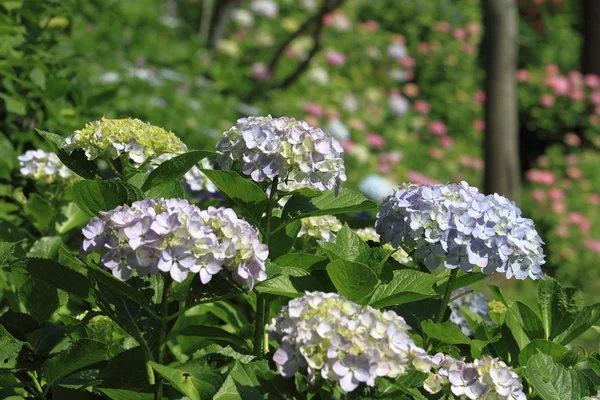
(501, 142)
(591, 35)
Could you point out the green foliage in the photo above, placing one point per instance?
(95, 196)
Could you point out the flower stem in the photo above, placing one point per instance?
(447, 295)
(162, 344)
(261, 343)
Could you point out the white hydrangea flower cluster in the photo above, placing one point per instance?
(43, 166)
(475, 302)
(267, 147)
(485, 378)
(456, 225)
(370, 234)
(174, 236)
(321, 228)
(342, 341)
(112, 137)
(194, 179)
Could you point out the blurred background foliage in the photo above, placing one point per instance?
(398, 82)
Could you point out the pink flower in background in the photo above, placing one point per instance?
(577, 94)
(556, 194)
(436, 153)
(538, 196)
(314, 109)
(576, 78)
(465, 160)
(469, 48)
(446, 142)
(375, 140)
(422, 107)
(419, 178)
(543, 161)
(478, 164)
(261, 71)
(575, 218)
(411, 90)
(562, 231)
(336, 58)
(442, 26)
(592, 81)
(594, 120)
(585, 225)
(387, 161)
(546, 178)
(408, 62)
(522, 75)
(593, 244)
(574, 173)
(473, 29)
(371, 26)
(572, 140)
(313, 121)
(479, 125)
(594, 198)
(552, 69)
(595, 98)
(480, 96)
(559, 84)
(558, 208)
(547, 100)
(424, 48)
(438, 128)
(357, 124)
(347, 145)
(459, 34)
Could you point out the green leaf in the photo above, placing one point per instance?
(552, 381)
(122, 394)
(127, 370)
(215, 334)
(72, 218)
(279, 285)
(529, 320)
(57, 275)
(305, 261)
(77, 161)
(554, 350)
(241, 191)
(10, 349)
(246, 380)
(466, 279)
(283, 241)
(39, 298)
(406, 286)
(13, 105)
(347, 246)
(167, 190)
(446, 332)
(46, 247)
(299, 207)
(81, 354)
(174, 168)
(578, 324)
(195, 378)
(38, 78)
(41, 212)
(6, 250)
(95, 196)
(352, 280)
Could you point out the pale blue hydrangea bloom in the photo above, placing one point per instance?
(43, 166)
(267, 147)
(485, 378)
(174, 236)
(459, 227)
(339, 340)
(475, 302)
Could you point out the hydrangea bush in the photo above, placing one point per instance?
(141, 288)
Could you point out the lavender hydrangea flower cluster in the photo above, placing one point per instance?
(475, 302)
(456, 225)
(172, 235)
(43, 167)
(267, 147)
(194, 179)
(321, 228)
(341, 341)
(485, 378)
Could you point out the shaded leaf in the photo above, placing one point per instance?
(552, 381)
(95, 196)
(81, 354)
(406, 286)
(174, 168)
